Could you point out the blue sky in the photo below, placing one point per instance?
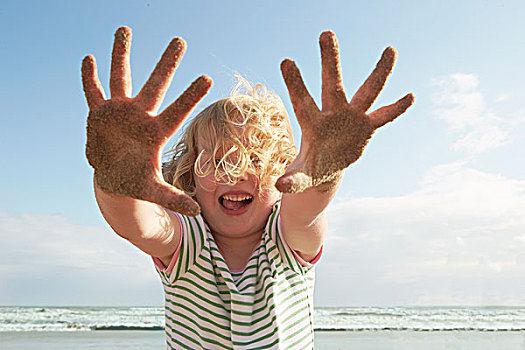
(432, 214)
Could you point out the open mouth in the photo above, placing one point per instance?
(235, 201)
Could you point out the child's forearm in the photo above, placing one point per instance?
(302, 217)
(305, 207)
(146, 225)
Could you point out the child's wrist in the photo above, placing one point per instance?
(331, 183)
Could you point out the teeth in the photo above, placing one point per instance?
(237, 197)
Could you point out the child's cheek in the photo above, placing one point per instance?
(270, 195)
(206, 183)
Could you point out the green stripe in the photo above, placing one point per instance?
(306, 334)
(264, 294)
(201, 318)
(254, 276)
(293, 325)
(207, 301)
(224, 270)
(174, 340)
(275, 258)
(192, 282)
(255, 331)
(292, 261)
(261, 338)
(270, 308)
(270, 226)
(282, 250)
(185, 244)
(183, 335)
(253, 260)
(218, 256)
(203, 268)
(198, 306)
(277, 284)
(218, 283)
(201, 231)
(193, 250)
(266, 346)
(197, 335)
(267, 335)
(297, 342)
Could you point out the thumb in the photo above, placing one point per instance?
(174, 199)
(295, 181)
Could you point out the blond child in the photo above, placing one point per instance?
(236, 237)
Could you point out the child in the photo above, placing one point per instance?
(235, 239)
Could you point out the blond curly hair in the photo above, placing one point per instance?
(248, 132)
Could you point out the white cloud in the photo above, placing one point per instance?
(461, 105)
(47, 260)
(460, 238)
(461, 234)
(502, 97)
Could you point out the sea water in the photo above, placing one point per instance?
(418, 319)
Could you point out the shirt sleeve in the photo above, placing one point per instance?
(193, 233)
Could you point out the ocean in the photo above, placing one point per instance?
(469, 328)
(419, 319)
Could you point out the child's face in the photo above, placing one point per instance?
(235, 210)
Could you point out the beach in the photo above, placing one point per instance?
(324, 340)
(411, 340)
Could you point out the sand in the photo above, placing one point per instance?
(382, 340)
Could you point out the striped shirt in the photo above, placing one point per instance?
(269, 305)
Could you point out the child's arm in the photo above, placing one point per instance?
(125, 139)
(332, 139)
(146, 225)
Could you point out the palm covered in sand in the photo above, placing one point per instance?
(124, 137)
(335, 136)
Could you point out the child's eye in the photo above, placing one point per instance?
(217, 161)
(255, 160)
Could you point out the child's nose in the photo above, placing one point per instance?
(244, 176)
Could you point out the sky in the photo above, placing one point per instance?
(432, 214)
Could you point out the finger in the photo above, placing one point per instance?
(174, 199)
(368, 92)
(333, 93)
(154, 90)
(294, 182)
(303, 103)
(386, 114)
(91, 84)
(120, 79)
(173, 116)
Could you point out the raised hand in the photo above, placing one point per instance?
(335, 136)
(124, 136)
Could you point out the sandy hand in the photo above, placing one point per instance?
(124, 136)
(334, 137)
